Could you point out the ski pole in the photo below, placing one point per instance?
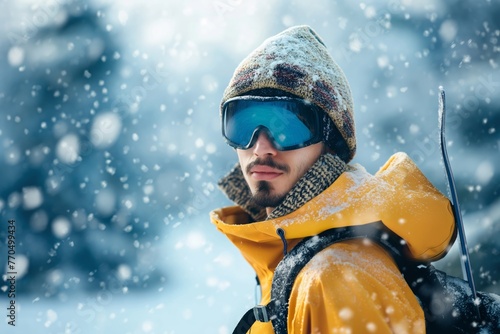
(465, 258)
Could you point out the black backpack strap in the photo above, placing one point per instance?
(288, 269)
(262, 313)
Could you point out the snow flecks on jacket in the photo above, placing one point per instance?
(360, 276)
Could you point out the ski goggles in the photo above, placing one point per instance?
(290, 123)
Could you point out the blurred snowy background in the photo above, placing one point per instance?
(110, 146)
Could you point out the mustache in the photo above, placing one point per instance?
(267, 162)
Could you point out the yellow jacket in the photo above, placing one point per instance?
(354, 286)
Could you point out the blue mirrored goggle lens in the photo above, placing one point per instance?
(290, 123)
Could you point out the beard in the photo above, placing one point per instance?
(263, 194)
(264, 197)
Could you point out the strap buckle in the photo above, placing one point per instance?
(260, 313)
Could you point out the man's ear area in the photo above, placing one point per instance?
(327, 149)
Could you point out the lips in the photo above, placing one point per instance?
(265, 173)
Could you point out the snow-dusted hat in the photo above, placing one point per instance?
(297, 61)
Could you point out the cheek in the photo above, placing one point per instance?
(301, 168)
(305, 160)
(242, 158)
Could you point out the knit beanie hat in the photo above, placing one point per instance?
(297, 61)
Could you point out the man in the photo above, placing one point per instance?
(288, 112)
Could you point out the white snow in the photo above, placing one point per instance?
(485, 172)
(124, 272)
(12, 155)
(105, 129)
(346, 313)
(51, 317)
(448, 30)
(32, 197)
(61, 227)
(68, 149)
(15, 56)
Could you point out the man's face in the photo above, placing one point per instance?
(270, 173)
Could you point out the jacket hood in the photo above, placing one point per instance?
(398, 195)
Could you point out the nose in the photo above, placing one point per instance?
(263, 145)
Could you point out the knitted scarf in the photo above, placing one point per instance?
(319, 177)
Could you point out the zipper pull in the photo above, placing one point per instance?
(281, 234)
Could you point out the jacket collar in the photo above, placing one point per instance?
(398, 195)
